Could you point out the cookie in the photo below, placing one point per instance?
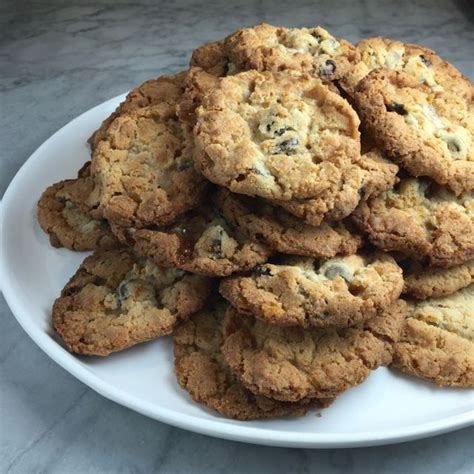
(165, 90)
(307, 50)
(340, 291)
(437, 342)
(419, 62)
(275, 136)
(200, 242)
(283, 232)
(370, 176)
(62, 214)
(423, 282)
(143, 170)
(292, 364)
(116, 300)
(202, 371)
(427, 134)
(421, 220)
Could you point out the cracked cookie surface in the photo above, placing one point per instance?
(417, 61)
(293, 364)
(62, 214)
(283, 232)
(116, 300)
(428, 134)
(424, 282)
(340, 291)
(143, 171)
(200, 242)
(307, 50)
(275, 135)
(202, 371)
(437, 342)
(421, 220)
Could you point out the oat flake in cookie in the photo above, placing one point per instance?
(116, 300)
(143, 171)
(202, 371)
(428, 134)
(340, 292)
(200, 242)
(421, 220)
(424, 282)
(292, 364)
(437, 342)
(63, 215)
(275, 136)
(283, 232)
(308, 50)
(419, 62)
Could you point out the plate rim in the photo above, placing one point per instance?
(217, 428)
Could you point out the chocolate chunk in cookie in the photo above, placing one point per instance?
(202, 242)
(202, 371)
(292, 364)
(283, 232)
(307, 50)
(427, 134)
(340, 291)
(421, 220)
(116, 300)
(437, 342)
(275, 136)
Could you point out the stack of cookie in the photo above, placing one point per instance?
(268, 206)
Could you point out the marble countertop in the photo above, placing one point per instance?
(58, 59)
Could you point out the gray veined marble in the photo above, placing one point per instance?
(58, 59)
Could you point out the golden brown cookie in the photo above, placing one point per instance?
(200, 242)
(143, 171)
(340, 291)
(417, 61)
(370, 176)
(283, 232)
(427, 282)
(63, 215)
(212, 58)
(202, 371)
(427, 134)
(307, 50)
(421, 220)
(292, 364)
(116, 300)
(437, 342)
(275, 136)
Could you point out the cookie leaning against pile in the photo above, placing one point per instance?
(293, 227)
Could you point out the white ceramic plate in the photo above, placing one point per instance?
(387, 408)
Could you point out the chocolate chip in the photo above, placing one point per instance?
(425, 61)
(398, 108)
(453, 145)
(280, 131)
(328, 68)
(288, 146)
(184, 165)
(336, 270)
(216, 246)
(263, 271)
